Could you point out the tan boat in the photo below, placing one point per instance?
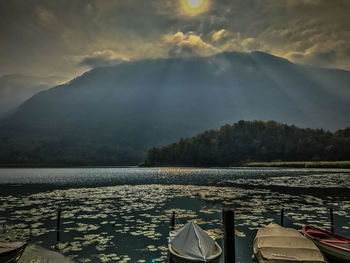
(276, 244)
(11, 252)
(192, 244)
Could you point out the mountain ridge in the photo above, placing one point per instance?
(17, 88)
(148, 103)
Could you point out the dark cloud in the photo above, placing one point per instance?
(40, 37)
(182, 51)
(323, 58)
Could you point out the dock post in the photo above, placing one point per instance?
(282, 217)
(229, 235)
(4, 228)
(30, 232)
(332, 219)
(58, 229)
(172, 221)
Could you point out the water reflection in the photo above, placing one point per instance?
(92, 177)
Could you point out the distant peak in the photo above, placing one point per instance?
(253, 54)
(261, 54)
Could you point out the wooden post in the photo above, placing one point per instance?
(4, 228)
(58, 229)
(332, 219)
(30, 232)
(282, 216)
(172, 221)
(229, 235)
(172, 227)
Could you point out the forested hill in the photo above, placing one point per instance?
(254, 141)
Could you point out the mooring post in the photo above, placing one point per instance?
(172, 221)
(332, 219)
(4, 228)
(228, 218)
(30, 232)
(282, 216)
(58, 229)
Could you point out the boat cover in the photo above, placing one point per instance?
(192, 242)
(281, 245)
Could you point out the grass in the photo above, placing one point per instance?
(321, 164)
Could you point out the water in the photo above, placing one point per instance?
(123, 214)
(130, 175)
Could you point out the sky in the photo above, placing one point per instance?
(68, 37)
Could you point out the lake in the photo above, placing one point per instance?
(123, 214)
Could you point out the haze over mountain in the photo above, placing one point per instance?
(112, 115)
(16, 88)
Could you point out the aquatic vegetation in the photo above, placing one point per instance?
(130, 223)
(328, 180)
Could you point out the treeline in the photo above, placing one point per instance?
(53, 152)
(254, 141)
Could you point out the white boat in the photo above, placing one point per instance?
(192, 244)
(276, 244)
(11, 252)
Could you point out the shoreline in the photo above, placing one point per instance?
(303, 164)
(19, 166)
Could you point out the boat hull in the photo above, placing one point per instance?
(333, 246)
(13, 255)
(333, 253)
(176, 258)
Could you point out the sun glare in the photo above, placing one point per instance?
(195, 3)
(194, 7)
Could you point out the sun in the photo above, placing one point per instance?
(195, 3)
(194, 7)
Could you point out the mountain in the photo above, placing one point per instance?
(16, 88)
(112, 115)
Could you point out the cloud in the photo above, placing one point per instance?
(228, 41)
(220, 35)
(189, 44)
(40, 37)
(325, 54)
(102, 58)
(45, 15)
(250, 44)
